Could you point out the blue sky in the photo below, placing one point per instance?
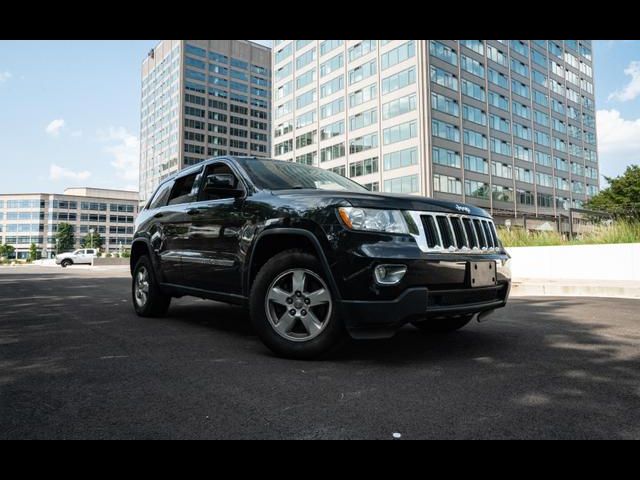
(69, 112)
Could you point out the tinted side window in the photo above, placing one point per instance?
(215, 169)
(161, 196)
(185, 189)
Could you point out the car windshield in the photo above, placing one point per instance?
(281, 175)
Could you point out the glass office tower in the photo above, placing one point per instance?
(508, 125)
(202, 98)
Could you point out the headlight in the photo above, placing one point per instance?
(373, 219)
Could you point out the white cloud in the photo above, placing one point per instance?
(4, 76)
(54, 127)
(632, 89)
(60, 173)
(618, 142)
(125, 148)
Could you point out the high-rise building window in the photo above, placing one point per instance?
(362, 48)
(444, 104)
(447, 184)
(400, 158)
(472, 66)
(399, 80)
(444, 78)
(400, 132)
(446, 157)
(473, 188)
(332, 86)
(407, 184)
(361, 72)
(473, 114)
(474, 163)
(443, 52)
(332, 65)
(366, 142)
(399, 106)
(398, 54)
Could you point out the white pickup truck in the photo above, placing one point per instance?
(79, 257)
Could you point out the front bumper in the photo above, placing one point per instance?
(435, 285)
(381, 319)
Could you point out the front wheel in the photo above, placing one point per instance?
(292, 308)
(66, 263)
(148, 298)
(443, 325)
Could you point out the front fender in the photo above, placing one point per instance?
(319, 250)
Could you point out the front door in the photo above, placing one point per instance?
(211, 260)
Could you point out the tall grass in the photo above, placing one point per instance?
(618, 232)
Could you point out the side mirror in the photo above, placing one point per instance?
(224, 181)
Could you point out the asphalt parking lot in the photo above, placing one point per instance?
(75, 362)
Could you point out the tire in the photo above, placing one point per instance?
(66, 263)
(148, 299)
(444, 324)
(316, 327)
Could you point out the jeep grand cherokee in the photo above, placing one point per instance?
(314, 255)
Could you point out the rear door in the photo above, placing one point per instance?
(176, 223)
(169, 260)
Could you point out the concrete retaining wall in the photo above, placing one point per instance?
(97, 262)
(588, 262)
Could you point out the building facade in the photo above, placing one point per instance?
(202, 98)
(34, 218)
(508, 125)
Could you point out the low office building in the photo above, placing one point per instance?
(33, 218)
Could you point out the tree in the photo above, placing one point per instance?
(622, 197)
(65, 238)
(33, 252)
(92, 240)
(6, 251)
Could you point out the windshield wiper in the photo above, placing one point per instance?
(294, 187)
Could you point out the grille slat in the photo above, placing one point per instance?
(480, 232)
(458, 229)
(445, 231)
(455, 232)
(471, 233)
(487, 232)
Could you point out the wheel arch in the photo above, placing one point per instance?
(139, 248)
(273, 241)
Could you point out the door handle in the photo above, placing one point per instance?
(158, 215)
(193, 211)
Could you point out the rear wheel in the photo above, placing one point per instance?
(292, 308)
(443, 325)
(66, 263)
(148, 299)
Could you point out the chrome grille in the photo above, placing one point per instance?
(439, 232)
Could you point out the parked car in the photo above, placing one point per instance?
(315, 256)
(79, 257)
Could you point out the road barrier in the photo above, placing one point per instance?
(587, 262)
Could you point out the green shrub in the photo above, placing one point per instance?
(618, 232)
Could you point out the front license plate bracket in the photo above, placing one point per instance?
(482, 274)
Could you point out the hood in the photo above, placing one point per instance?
(394, 201)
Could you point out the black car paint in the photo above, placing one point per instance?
(208, 249)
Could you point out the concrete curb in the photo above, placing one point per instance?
(575, 288)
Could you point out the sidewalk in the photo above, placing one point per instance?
(530, 287)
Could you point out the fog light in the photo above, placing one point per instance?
(389, 274)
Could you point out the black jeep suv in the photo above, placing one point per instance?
(314, 255)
